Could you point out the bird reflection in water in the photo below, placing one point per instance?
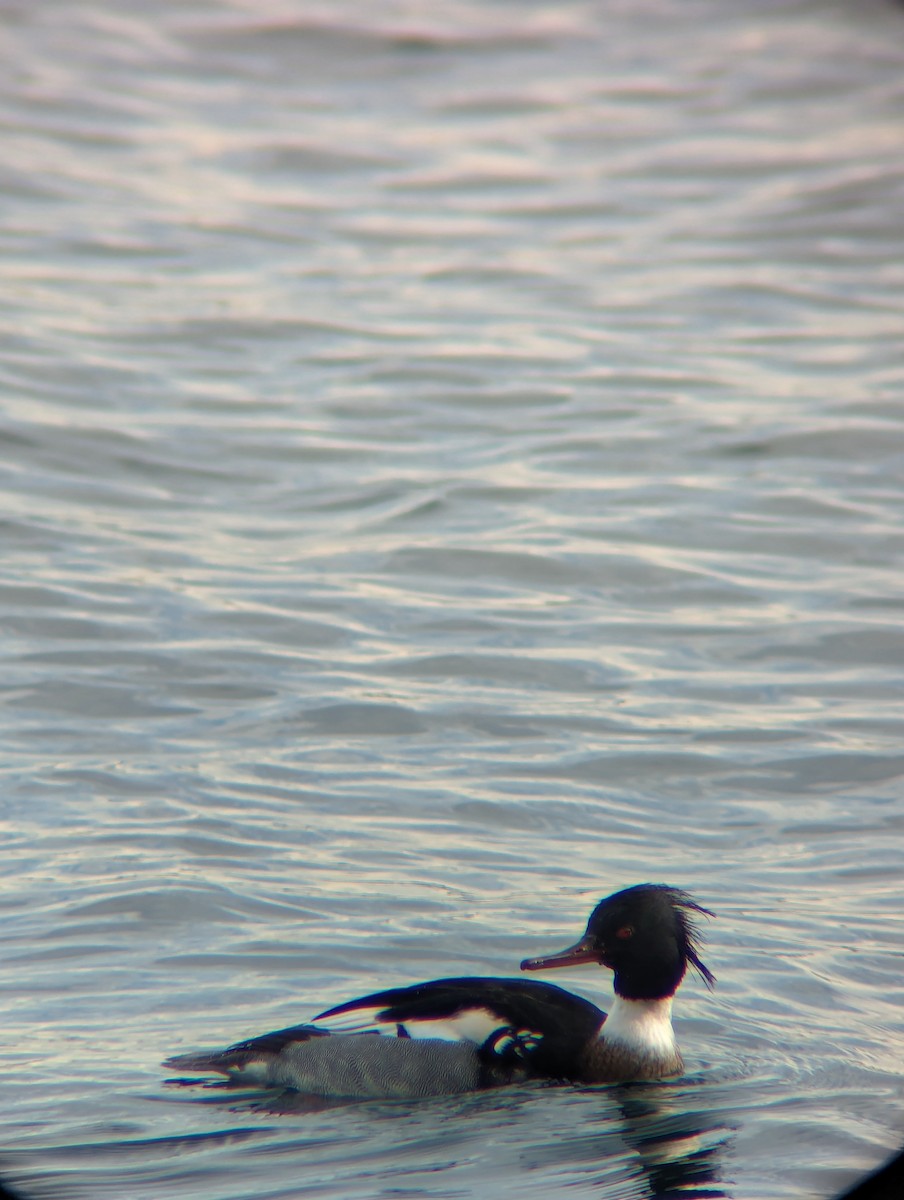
(679, 1148)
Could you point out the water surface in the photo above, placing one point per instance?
(452, 469)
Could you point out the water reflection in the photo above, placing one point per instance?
(680, 1149)
(653, 1140)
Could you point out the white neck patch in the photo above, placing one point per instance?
(644, 1025)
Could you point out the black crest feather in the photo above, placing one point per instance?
(687, 908)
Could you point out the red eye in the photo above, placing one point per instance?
(626, 931)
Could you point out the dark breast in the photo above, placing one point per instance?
(612, 1062)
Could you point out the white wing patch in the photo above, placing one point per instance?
(468, 1025)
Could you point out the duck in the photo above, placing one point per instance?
(471, 1033)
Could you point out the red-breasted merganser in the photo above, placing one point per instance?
(459, 1035)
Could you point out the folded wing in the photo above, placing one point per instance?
(534, 1022)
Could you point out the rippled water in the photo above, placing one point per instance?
(453, 464)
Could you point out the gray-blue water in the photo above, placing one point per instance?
(453, 467)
